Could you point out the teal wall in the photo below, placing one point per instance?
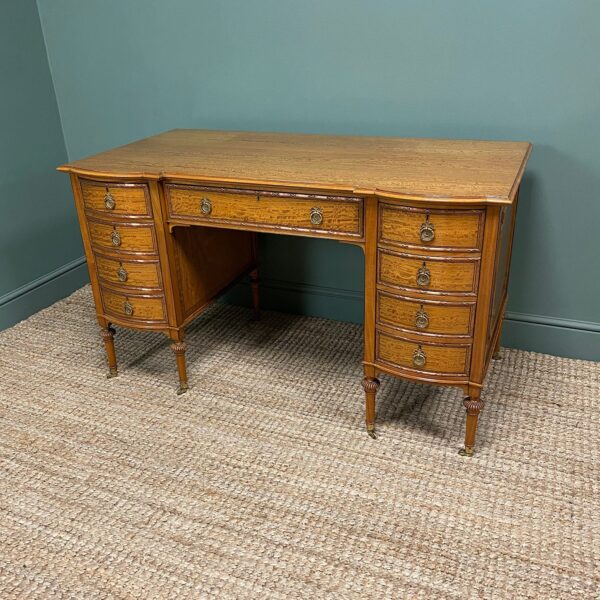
(40, 246)
(468, 69)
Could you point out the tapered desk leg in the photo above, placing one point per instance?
(473, 405)
(370, 384)
(497, 355)
(108, 334)
(179, 348)
(255, 293)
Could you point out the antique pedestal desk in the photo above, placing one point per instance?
(169, 222)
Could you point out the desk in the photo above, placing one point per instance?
(170, 222)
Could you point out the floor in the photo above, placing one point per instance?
(261, 482)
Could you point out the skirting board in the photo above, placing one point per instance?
(561, 337)
(42, 292)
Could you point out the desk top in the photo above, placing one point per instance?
(409, 168)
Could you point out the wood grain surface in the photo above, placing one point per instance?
(406, 167)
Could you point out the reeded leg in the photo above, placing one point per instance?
(370, 385)
(108, 334)
(473, 405)
(179, 351)
(255, 294)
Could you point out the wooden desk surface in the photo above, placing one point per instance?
(409, 168)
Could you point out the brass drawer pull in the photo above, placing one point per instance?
(421, 319)
(316, 215)
(122, 274)
(427, 230)
(419, 357)
(423, 276)
(115, 238)
(109, 201)
(206, 206)
(128, 308)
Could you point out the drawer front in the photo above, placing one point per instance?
(426, 358)
(134, 308)
(124, 237)
(341, 216)
(428, 274)
(119, 199)
(139, 274)
(438, 229)
(426, 317)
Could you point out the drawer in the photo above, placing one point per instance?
(329, 215)
(440, 318)
(129, 273)
(133, 307)
(427, 273)
(124, 237)
(423, 357)
(119, 199)
(438, 229)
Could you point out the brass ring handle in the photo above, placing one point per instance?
(122, 274)
(316, 215)
(423, 276)
(419, 357)
(421, 319)
(115, 238)
(206, 206)
(427, 231)
(128, 308)
(109, 201)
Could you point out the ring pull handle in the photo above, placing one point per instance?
(421, 319)
(205, 206)
(109, 201)
(316, 215)
(122, 274)
(128, 308)
(427, 230)
(423, 275)
(419, 357)
(115, 238)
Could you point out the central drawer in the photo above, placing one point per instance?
(328, 215)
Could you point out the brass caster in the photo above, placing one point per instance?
(371, 431)
(112, 372)
(466, 451)
(255, 317)
(182, 389)
(497, 356)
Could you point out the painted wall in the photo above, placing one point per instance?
(39, 239)
(468, 69)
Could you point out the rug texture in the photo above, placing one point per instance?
(261, 482)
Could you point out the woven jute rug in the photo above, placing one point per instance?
(261, 481)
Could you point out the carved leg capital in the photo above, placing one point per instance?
(179, 348)
(473, 405)
(370, 384)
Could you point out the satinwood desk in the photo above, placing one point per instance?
(170, 221)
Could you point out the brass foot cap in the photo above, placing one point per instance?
(182, 389)
(466, 452)
(497, 356)
(112, 372)
(371, 431)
